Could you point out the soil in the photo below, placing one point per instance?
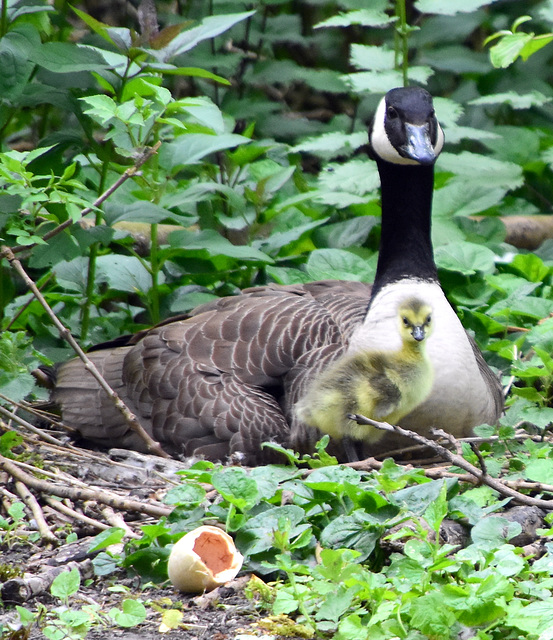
(27, 568)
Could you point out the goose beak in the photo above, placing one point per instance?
(418, 332)
(418, 146)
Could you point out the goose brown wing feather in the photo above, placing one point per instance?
(497, 397)
(216, 383)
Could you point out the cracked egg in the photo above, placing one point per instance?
(203, 559)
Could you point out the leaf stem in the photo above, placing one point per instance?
(402, 47)
(92, 261)
(4, 18)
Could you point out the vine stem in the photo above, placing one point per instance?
(4, 18)
(403, 33)
(92, 260)
(64, 332)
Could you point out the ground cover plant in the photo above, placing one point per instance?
(155, 157)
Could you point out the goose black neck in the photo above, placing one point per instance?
(405, 243)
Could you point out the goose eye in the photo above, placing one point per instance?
(405, 322)
(428, 319)
(392, 113)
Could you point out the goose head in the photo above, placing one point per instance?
(405, 129)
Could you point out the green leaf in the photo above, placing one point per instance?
(372, 58)
(257, 534)
(437, 510)
(349, 233)
(357, 531)
(210, 27)
(419, 497)
(478, 169)
(16, 48)
(356, 176)
(492, 532)
(188, 495)
(66, 584)
(138, 211)
(537, 43)
(508, 49)
(63, 57)
(170, 70)
(463, 198)
(533, 619)
(514, 99)
(113, 535)
(213, 244)
(382, 81)
(375, 16)
(466, 258)
(330, 145)
(280, 239)
(450, 7)
(431, 617)
(236, 487)
(132, 613)
(539, 470)
(102, 29)
(336, 264)
(531, 267)
(335, 604)
(124, 273)
(193, 147)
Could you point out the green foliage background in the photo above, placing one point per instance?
(261, 113)
(260, 110)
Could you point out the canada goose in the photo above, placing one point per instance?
(383, 385)
(227, 378)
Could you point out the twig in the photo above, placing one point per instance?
(458, 461)
(129, 173)
(128, 416)
(19, 590)
(82, 494)
(75, 515)
(116, 520)
(23, 423)
(29, 499)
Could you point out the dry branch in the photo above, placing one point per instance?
(127, 414)
(18, 590)
(458, 461)
(31, 502)
(129, 173)
(81, 494)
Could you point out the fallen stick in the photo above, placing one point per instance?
(74, 493)
(457, 460)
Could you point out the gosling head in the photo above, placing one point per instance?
(405, 129)
(415, 320)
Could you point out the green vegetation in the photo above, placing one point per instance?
(230, 140)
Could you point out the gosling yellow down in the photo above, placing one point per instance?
(382, 385)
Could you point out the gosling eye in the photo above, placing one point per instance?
(429, 319)
(405, 322)
(392, 113)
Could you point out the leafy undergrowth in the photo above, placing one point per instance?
(345, 553)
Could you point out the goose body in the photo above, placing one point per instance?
(382, 385)
(228, 377)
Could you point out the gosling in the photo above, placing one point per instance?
(381, 385)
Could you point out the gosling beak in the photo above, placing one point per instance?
(418, 332)
(418, 146)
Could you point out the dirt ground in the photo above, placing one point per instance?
(85, 483)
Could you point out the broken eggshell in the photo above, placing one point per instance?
(203, 559)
